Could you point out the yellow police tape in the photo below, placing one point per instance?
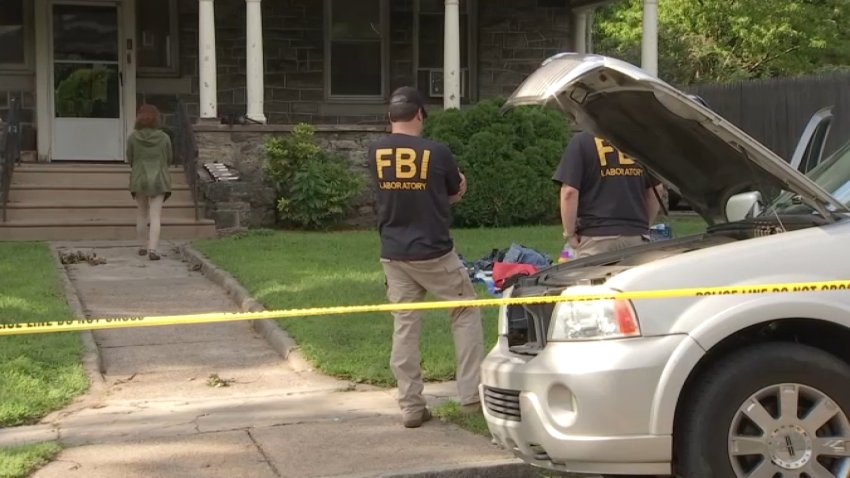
(123, 322)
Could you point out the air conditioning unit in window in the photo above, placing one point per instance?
(435, 82)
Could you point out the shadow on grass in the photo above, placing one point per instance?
(38, 373)
(286, 270)
(300, 269)
(450, 412)
(21, 461)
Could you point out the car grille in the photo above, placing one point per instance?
(502, 403)
(527, 327)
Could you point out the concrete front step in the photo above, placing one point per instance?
(100, 230)
(95, 167)
(73, 201)
(83, 175)
(85, 211)
(104, 194)
(73, 177)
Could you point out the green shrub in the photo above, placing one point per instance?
(315, 189)
(507, 159)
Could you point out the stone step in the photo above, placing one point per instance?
(100, 230)
(73, 193)
(85, 211)
(82, 177)
(59, 165)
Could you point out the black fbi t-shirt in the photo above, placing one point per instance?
(414, 179)
(612, 187)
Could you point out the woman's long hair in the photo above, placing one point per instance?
(148, 117)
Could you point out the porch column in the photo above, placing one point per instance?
(649, 39)
(580, 31)
(254, 60)
(43, 87)
(591, 14)
(451, 56)
(206, 60)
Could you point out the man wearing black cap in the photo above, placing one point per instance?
(417, 179)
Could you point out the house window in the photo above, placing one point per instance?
(430, 36)
(157, 50)
(12, 34)
(356, 48)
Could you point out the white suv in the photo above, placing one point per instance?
(754, 386)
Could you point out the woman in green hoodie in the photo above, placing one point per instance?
(149, 154)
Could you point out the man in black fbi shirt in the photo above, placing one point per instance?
(607, 199)
(417, 180)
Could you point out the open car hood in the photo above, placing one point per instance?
(705, 157)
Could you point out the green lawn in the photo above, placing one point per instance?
(295, 269)
(38, 373)
(450, 412)
(19, 462)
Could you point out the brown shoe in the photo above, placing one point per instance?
(153, 256)
(471, 408)
(143, 252)
(417, 421)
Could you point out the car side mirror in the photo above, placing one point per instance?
(744, 205)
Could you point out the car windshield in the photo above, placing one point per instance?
(833, 175)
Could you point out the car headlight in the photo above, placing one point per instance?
(592, 319)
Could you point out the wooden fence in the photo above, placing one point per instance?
(776, 111)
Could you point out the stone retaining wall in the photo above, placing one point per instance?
(2, 148)
(250, 202)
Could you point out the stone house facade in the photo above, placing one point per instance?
(246, 69)
(503, 40)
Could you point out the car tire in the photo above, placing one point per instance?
(719, 408)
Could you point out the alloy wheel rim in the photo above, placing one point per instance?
(789, 430)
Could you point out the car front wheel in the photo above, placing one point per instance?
(772, 410)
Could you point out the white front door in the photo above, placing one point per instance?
(87, 82)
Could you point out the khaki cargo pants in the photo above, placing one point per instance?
(447, 279)
(592, 245)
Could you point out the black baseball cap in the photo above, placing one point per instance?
(405, 102)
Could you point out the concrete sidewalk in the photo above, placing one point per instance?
(159, 413)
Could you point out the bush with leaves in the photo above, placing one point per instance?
(508, 161)
(720, 40)
(316, 189)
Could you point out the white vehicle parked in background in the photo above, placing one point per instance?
(754, 386)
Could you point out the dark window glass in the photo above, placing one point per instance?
(85, 33)
(355, 48)
(154, 25)
(432, 27)
(12, 32)
(437, 6)
(86, 77)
